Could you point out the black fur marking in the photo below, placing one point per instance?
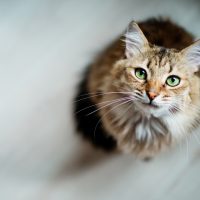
(149, 63)
(87, 124)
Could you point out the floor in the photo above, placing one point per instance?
(45, 46)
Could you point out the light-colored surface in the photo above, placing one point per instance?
(44, 45)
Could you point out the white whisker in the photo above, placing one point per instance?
(102, 94)
(108, 113)
(96, 105)
(118, 100)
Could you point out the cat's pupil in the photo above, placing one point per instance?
(173, 79)
(142, 72)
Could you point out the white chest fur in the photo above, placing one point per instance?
(148, 127)
(146, 124)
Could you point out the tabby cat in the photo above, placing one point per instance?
(142, 94)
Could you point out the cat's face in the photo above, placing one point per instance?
(158, 80)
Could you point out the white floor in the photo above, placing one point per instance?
(44, 46)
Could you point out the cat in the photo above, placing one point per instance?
(142, 94)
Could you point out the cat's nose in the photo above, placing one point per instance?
(152, 95)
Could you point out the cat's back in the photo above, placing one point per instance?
(163, 32)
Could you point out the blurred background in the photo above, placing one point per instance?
(44, 47)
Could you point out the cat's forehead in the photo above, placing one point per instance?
(160, 59)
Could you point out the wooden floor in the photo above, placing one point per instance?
(44, 46)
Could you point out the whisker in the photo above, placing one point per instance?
(101, 93)
(190, 106)
(121, 99)
(107, 93)
(95, 105)
(107, 113)
(123, 113)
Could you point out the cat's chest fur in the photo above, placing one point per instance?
(146, 125)
(149, 127)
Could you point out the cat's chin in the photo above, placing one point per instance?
(150, 106)
(152, 109)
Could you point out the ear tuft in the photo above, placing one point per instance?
(192, 55)
(135, 40)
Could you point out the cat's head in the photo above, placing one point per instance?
(160, 81)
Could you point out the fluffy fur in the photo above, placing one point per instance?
(142, 116)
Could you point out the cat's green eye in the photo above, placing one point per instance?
(141, 73)
(173, 81)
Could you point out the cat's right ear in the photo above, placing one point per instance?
(192, 56)
(135, 40)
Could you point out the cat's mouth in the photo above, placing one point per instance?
(150, 105)
(153, 105)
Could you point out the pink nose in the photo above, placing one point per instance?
(151, 95)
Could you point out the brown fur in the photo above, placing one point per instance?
(112, 72)
(162, 33)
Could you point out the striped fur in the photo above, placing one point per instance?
(127, 117)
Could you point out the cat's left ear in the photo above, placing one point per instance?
(135, 40)
(192, 56)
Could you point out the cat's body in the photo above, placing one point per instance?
(124, 117)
